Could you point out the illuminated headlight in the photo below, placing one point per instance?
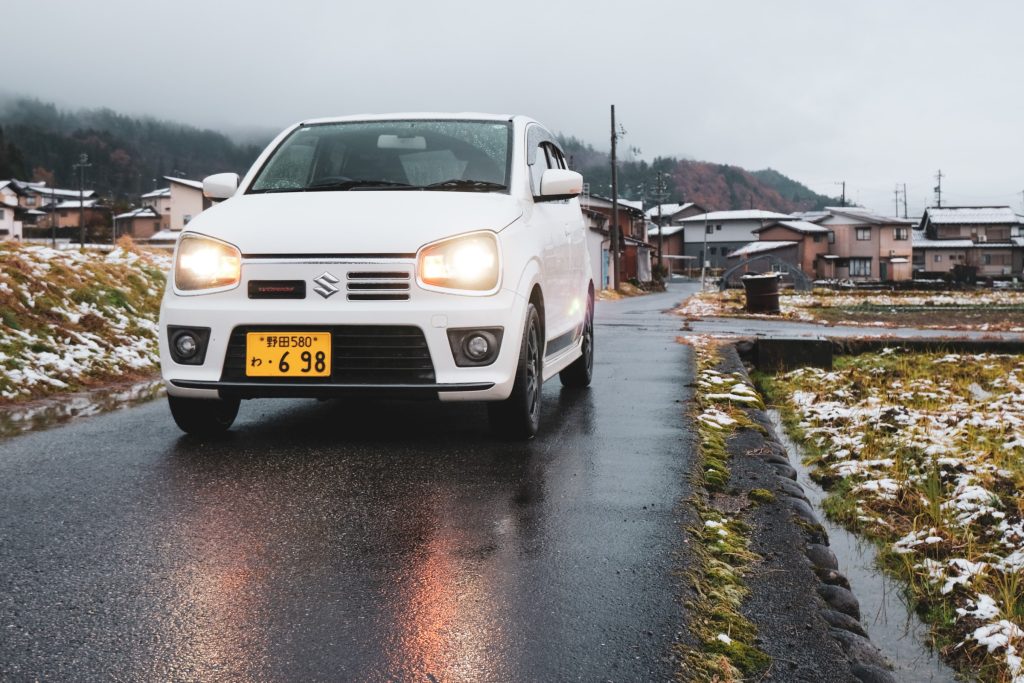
(469, 263)
(204, 263)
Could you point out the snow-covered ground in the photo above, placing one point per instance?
(73, 319)
(927, 452)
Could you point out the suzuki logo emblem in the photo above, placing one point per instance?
(325, 285)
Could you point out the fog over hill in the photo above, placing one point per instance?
(130, 155)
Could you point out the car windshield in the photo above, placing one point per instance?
(436, 155)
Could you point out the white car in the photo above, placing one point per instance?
(432, 256)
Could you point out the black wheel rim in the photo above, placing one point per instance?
(533, 371)
(588, 343)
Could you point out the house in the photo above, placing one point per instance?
(865, 246)
(672, 214)
(635, 254)
(723, 232)
(160, 202)
(810, 242)
(838, 243)
(186, 201)
(141, 224)
(983, 239)
(10, 226)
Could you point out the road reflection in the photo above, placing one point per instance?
(374, 541)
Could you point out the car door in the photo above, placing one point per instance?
(576, 233)
(549, 219)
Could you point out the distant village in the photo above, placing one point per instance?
(965, 244)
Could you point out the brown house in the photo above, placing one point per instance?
(981, 239)
(140, 224)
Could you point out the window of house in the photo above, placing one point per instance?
(711, 250)
(718, 227)
(816, 238)
(831, 237)
(709, 229)
(1, 214)
(952, 257)
(860, 267)
(30, 201)
(938, 258)
(901, 234)
(863, 235)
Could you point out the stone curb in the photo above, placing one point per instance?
(839, 606)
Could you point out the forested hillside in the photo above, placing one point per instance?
(129, 155)
(717, 187)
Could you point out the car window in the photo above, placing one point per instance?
(458, 155)
(538, 166)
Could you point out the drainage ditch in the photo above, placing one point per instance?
(891, 624)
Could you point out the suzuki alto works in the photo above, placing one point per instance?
(437, 256)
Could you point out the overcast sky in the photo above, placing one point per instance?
(872, 92)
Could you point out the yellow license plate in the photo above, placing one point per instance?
(288, 354)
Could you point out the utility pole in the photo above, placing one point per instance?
(83, 163)
(896, 199)
(615, 207)
(53, 213)
(842, 199)
(660, 195)
(938, 190)
(704, 252)
(904, 200)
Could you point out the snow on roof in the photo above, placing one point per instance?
(143, 212)
(667, 209)
(195, 184)
(811, 216)
(921, 240)
(632, 204)
(669, 230)
(165, 236)
(744, 215)
(799, 226)
(866, 215)
(760, 247)
(42, 189)
(87, 204)
(162, 192)
(971, 214)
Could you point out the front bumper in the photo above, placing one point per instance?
(433, 313)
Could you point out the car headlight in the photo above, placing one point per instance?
(204, 263)
(469, 263)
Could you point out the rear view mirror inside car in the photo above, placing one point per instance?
(399, 142)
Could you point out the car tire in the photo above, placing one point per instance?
(579, 374)
(518, 416)
(203, 417)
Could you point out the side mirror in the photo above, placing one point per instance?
(220, 186)
(558, 183)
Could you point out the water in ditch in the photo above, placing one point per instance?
(893, 627)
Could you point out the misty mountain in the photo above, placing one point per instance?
(129, 155)
(717, 187)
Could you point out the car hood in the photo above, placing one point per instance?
(354, 222)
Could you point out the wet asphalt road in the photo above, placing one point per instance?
(375, 541)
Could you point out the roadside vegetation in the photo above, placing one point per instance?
(995, 310)
(74, 319)
(727, 650)
(924, 454)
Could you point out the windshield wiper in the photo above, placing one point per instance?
(356, 184)
(469, 185)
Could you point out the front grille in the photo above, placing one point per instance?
(391, 285)
(360, 354)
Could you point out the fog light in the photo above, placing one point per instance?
(477, 347)
(186, 345)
